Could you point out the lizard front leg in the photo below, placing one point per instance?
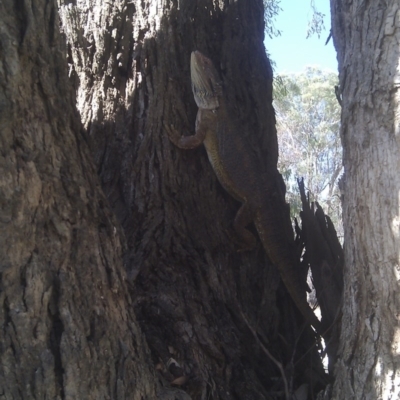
(188, 142)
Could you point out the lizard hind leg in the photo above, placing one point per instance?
(244, 238)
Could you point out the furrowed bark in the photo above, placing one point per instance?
(68, 330)
(366, 36)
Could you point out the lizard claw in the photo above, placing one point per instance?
(172, 133)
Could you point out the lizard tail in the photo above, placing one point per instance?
(279, 247)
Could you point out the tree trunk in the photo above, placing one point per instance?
(68, 330)
(366, 36)
(219, 322)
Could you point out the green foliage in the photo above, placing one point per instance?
(271, 10)
(308, 120)
(316, 24)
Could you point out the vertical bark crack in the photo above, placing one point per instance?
(55, 338)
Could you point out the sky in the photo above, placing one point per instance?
(291, 51)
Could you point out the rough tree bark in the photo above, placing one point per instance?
(67, 325)
(199, 301)
(367, 35)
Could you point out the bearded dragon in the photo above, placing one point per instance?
(238, 170)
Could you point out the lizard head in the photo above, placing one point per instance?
(206, 84)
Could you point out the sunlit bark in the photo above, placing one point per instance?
(367, 36)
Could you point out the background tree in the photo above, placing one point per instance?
(369, 74)
(308, 116)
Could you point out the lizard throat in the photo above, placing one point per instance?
(205, 99)
(206, 84)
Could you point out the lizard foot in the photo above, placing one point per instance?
(173, 134)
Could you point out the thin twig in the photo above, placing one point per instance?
(271, 357)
